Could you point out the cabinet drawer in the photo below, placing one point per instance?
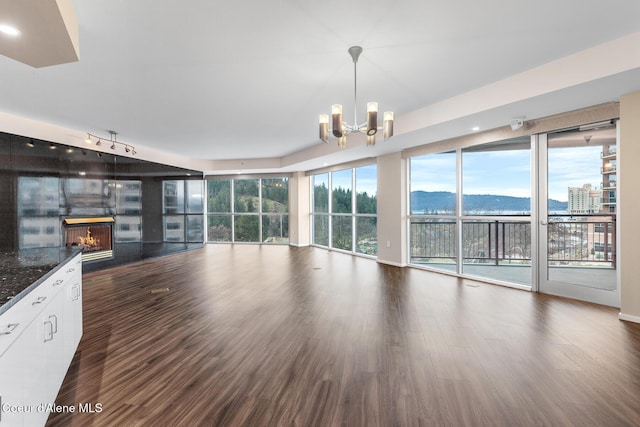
(12, 323)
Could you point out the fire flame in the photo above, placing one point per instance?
(88, 241)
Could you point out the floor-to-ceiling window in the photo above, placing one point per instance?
(246, 208)
(433, 201)
(320, 209)
(249, 210)
(182, 211)
(366, 208)
(496, 211)
(275, 210)
(344, 209)
(470, 211)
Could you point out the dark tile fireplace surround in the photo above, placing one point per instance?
(57, 196)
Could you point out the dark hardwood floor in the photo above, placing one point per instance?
(283, 336)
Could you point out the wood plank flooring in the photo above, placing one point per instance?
(282, 336)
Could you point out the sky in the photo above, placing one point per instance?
(505, 172)
(366, 179)
(508, 172)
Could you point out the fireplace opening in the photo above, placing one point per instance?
(94, 234)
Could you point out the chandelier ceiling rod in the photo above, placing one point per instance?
(341, 129)
(355, 52)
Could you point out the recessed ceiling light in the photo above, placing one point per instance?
(9, 30)
(475, 128)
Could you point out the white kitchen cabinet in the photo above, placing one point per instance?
(73, 307)
(12, 376)
(44, 343)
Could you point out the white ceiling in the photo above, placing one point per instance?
(241, 84)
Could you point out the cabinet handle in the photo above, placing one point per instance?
(58, 282)
(54, 323)
(76, 292)
(50, 331)
(40, 300)
(10, 328)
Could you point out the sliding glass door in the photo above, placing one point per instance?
(536, 212)
(577, 214)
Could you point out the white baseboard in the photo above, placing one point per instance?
(629, 318)
(298, 245)
(395, 264)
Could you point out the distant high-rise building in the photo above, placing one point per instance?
(609, 179)
(583, 200)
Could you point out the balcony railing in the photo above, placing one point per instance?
(588, 241)
(591, 239)
(611, 153)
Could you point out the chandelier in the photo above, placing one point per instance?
(341, 129)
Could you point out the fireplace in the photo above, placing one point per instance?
(95, 234)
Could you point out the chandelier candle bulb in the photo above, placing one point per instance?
(372, 118)
(324, 127)
(388, 124)
(336, 116)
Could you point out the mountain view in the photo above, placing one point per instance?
(426, 202)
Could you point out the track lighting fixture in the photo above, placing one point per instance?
(341, 130)
(128, 148)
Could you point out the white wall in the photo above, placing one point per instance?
(629, 207)
(299, 209)
(392, 209)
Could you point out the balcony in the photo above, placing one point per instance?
(587, 242)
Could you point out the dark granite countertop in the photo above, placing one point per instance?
(21, 271)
